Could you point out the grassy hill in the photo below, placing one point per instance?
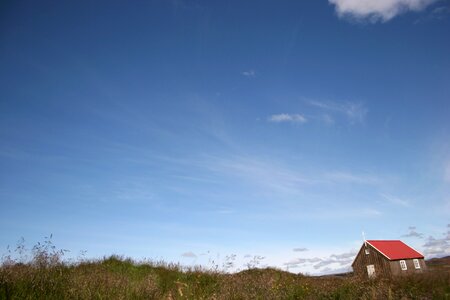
(45, 276)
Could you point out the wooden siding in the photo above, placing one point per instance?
(362, 260)
(397, 270)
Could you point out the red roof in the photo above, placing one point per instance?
(395, 249)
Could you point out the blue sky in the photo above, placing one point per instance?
(192, 130)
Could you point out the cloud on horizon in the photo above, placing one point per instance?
(341, 261)
(377, 10)
(292, 118)
(438, 247)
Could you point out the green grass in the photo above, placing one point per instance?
(46, 276)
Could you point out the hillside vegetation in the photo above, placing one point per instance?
(46, 276)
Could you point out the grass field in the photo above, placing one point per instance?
(46, 276)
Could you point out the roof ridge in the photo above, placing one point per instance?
(387, 241)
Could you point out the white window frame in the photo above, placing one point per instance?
(371, 271)
(416, 263)
(403, 265)
(367, 251)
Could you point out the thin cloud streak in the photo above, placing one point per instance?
(268, 175)
(348, 177)
(437, 14)
(322, 215)
(353, 111)
(395, 200)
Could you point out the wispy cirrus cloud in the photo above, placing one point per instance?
(348, 177)
(377, 10)
(292, 118)
(355, 112)
(395, 200)
(321, 215)
(268, 175)
(437, 14)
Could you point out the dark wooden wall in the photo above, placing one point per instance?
(381, 263)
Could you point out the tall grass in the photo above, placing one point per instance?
(44, 275)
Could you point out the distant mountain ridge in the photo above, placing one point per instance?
(439, 263)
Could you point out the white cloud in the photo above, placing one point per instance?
(299, 249)
(377, 10)
(395, 200)
(314, 260)
(344, 256)
(413, 233)
(294, 118)
(355, 112)
(189, 254)
(249, 73)
(342, 260)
